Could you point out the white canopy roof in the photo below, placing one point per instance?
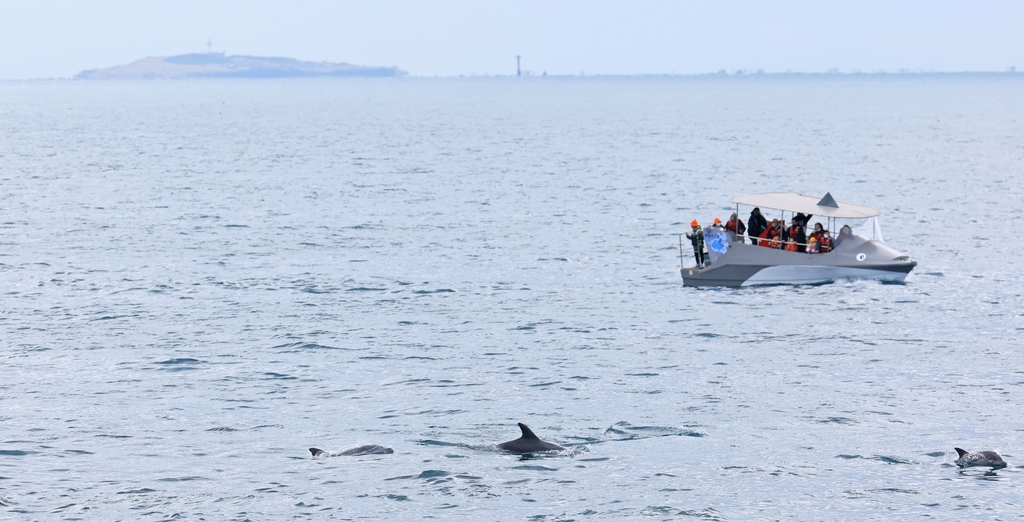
(793, 202)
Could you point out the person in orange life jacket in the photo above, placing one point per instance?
(826, 242)
(770, 234)
(791, 245)
(817, 231)
(763, 238)
(735, 226)
(796, 233)
(801, 220)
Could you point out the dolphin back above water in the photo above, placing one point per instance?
(528, 443)
(369, 449)
(981, 458)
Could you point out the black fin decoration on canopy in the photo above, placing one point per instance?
(828, 201)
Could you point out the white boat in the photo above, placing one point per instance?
(735, 262)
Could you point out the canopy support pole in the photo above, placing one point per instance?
(681, 267)
(739, 220)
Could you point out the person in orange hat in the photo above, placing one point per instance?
(717, 223)
(696, 237)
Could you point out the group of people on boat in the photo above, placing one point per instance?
(696, 236)
(775, 234)
(793, 238)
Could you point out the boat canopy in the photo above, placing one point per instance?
(793, 202)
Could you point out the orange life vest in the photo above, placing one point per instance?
(826, 244)
(792, 247)
(770, 238)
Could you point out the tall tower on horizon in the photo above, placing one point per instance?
(519, 71)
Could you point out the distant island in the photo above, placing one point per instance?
(219, 65)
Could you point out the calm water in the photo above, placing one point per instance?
(200, 280)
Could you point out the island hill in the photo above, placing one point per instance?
(219, 65)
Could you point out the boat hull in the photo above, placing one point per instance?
(748, 265)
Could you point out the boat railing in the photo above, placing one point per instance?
(738, 238)
(682, 259)
(836, 240)
(782, 244)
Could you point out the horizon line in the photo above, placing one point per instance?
(737, 73)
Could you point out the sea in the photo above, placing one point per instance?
(200, 280)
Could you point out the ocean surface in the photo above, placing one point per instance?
(202, 279)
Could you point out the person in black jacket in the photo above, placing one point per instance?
(756, 224)
(696, 237)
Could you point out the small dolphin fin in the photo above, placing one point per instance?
(527, 434)
(316, 451)
(960, 452)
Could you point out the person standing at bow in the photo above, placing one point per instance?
(696, 237)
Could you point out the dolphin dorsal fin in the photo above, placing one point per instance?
(527, 434)
(960, 452)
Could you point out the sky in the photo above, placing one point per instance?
(59, 38)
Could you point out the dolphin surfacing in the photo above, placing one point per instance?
(528, 443)
(980, 458)
(369, 449)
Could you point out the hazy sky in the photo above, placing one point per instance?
(49, 38)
